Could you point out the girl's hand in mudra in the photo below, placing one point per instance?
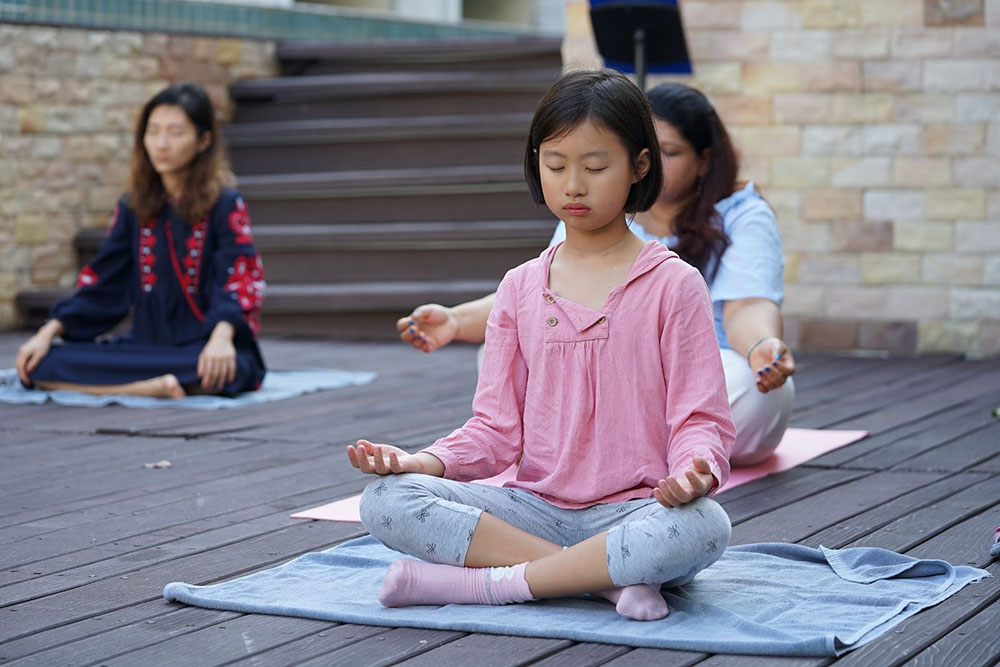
(371, 458)
(217, 363)
(675, 491)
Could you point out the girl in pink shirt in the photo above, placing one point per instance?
(611, 491)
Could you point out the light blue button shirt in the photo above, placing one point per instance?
(752, 266)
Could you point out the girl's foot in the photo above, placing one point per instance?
(165, 386)
(640, 602)
(412, 582)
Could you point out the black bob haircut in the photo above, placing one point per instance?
(609, 100)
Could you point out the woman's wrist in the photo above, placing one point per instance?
(756, 345)
(224, 331)
(51, 329)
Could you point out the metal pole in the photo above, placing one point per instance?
(640, 58)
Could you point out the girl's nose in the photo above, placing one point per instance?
(574, 183)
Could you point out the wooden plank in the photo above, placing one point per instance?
(643, 657)
(798, 520)
(963, 452)
(971, 644)
(386, 648)
(488, 651)
(585, 654)
(990, 465)
(791, 485)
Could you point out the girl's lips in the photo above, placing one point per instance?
(576, 209)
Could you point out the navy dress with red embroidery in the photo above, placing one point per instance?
(178, 280)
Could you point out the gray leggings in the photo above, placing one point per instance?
(434, 519)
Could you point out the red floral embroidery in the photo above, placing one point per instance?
(86, 278)
(191, 272)
(147, 256)
(239, 222)
(246, 284)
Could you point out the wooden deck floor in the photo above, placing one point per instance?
(89, 536)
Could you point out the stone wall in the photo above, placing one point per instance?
(872, 127)
(68, 102)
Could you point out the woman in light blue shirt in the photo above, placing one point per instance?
(729, 233)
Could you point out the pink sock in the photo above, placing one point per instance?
(413, 582)
(640, 602)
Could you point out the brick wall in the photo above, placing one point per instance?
(873, 130)
(68, 101)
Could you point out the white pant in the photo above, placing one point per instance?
(760, 419)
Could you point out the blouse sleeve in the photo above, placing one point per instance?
(491, 440)
(697, 409)
(237, 289)
(753, 264)
(104, 291)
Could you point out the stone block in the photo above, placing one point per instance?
(50, 262)
(977, 237)
(769, 141)
(892, 139)
(948, 269)
(830, 14)
(993, 138)
(862, 108)
(923, 236)
(975, 42)
(803, 108)
(832, 204)
(895, 338)
(743, 109)
(863, 44)
(863, 302)
(10, 118)
(791, 272)
(828, 269)
(806, 238)
(155, 44)
(894, 205)
(976, 108)
(713, 78)
(890, 268)
(805, 300)
(229, 51)
(800, 172)
(917, 172)
(991, 270)
(787, 204)
(916, 303)
(951, 12)
(16, 89)
(825, 335)
(944, 336)
(727, 45)
(987, 344)
(858, 236)
(767, 77)
(124, 43)
(893, 13)
(765, 15)
(47, 147)
(863, 172)
(948, 139)
(923, 108)
(968, 303)
(800, 46)
(914, 45)
(956, 203)
(711, 14)
(30, 229)
(8, 286)
(832, 140)
(892, 76)
(977, 172)
(831, 77)
(954, 74)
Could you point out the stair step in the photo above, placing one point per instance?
(385, 93)
(377, 143)
(299, 58)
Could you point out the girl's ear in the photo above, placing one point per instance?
(204, 141)
(642, 164)
(703, 161)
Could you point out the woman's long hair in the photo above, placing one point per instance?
(207, 173)
(700, 237)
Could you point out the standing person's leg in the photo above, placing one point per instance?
(760, 419)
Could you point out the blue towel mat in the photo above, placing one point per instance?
(766, 599)
(277, 385)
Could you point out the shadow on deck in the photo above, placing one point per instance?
(91, 536)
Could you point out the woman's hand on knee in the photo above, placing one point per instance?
(428, 327)
(217, 363)
(678, 490)
(772, 363)
(374, 459)
(30, 355)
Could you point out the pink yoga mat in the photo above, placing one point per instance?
(798, 446)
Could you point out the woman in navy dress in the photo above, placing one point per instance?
(179, 256)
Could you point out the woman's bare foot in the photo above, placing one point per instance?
(164, 386)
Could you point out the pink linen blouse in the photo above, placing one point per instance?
(597, 407)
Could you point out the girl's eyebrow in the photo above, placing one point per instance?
(553, 153)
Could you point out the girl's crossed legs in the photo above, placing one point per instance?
(610, 545)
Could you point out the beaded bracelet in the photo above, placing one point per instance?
(754, 346)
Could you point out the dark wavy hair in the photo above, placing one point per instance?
(700, 237)
(208, 172)
(610, 100)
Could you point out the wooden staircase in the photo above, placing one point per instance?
(382, 176)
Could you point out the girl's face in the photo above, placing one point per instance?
(171, 139)
(586, 174)
(681, 165)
